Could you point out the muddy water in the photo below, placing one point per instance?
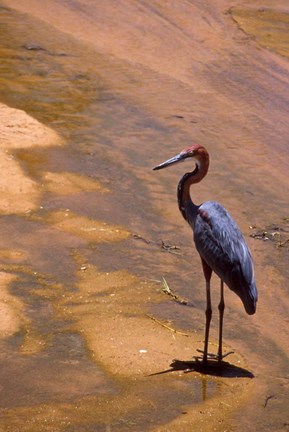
(81, 264)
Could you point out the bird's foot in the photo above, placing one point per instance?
(211, 356)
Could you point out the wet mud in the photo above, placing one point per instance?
(93, 96)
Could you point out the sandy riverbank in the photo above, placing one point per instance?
(82, 276)
(18, 192)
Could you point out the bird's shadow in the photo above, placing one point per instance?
(211, 368)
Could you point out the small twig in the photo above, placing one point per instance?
(166, 326)
(281, 244)
(138, 237)
(267, 400)
(166, 289)
(169, 248)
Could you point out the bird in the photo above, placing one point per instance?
(219, 242)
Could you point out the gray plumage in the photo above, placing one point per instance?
(221, 244)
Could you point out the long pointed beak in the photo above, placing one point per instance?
(178, 158)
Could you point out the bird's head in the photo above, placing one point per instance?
(196, 151)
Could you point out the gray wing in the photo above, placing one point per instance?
(221, 244)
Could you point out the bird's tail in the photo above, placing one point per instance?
(245, 289)
(251, 303)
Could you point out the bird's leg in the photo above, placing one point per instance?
(221, 308)
(208, 321)
(207, 273)
(206, 355)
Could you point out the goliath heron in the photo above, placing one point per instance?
(219, 242)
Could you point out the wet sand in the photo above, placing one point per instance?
(95, 96)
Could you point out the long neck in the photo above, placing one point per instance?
(186, 205)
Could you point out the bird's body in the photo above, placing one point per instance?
(218, 240)
(221, 244)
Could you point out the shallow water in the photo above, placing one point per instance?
(88, 258)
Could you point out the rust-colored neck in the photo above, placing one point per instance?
(184, 198)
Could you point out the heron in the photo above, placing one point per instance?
(219, 242)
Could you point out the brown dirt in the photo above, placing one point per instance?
(18, 192)
(116, 88)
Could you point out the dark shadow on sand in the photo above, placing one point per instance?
(212, 368)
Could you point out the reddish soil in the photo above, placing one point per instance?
(94, 94)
